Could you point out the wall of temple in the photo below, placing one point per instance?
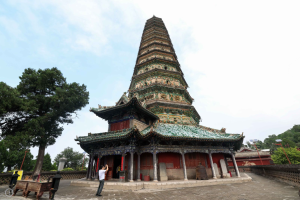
(217, 157)
(173, 162)
(156, 55)
(119, 125)
(162, 41)
(162, 80)
(156, 34)
(156, 66)
(155, 47)
(155, 29)
(140, 125)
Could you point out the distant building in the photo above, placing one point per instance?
(247, 157)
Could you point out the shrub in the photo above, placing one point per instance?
(67, 169)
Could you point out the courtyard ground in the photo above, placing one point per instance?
(260, 188)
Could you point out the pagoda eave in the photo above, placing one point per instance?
(142, 75)
(132, 104)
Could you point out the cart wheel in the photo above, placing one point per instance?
(9, 192)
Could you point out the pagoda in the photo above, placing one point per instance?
(155, 125)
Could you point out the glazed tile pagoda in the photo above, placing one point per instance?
(155, 123)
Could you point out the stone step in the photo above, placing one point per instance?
(161, 184)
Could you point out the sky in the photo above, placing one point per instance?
(241, 59)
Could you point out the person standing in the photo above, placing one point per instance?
(102, 172)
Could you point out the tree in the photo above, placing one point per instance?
(38, 107)
(54, 166)
(260, 145)
(279, 157)
(47, 165)
(288, 143)
(74, 158)
(3, 155)
(270, 140)
(16, 148)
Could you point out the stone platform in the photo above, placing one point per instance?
(114, 185)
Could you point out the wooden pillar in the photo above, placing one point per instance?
(226, 162)
(139, 167)
(89, 166)
(123, 158)
(235, 166)
(212, 166)
(98, 166)
(184, 167)
(131, 166)
(154, 167)
(94, 167)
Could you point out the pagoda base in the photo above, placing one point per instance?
(111, 185)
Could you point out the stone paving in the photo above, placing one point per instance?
(260, 188)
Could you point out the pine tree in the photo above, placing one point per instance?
(38, 107)
(47, 165)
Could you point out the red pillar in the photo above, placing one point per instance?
(97, 164)
(122, 164)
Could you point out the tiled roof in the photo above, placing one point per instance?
(189, 131)
(100, 108)
(106, 112)
(105, 136)
(166, 130)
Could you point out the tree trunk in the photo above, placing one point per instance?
(39, 161)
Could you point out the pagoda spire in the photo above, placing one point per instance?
(158, 81)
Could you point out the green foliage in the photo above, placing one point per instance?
(54, 166)
(47, 165)
(82, 169)
(74, 158)
(288, 143)
(38, 107)
(3, 155)
(33, 163)
(15, 151)
(67, 169)
(279, 157)
(260, 145)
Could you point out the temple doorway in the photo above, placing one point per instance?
(117, 162)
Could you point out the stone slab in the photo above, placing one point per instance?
(224, 170)
(162, 172)
(216, 170)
